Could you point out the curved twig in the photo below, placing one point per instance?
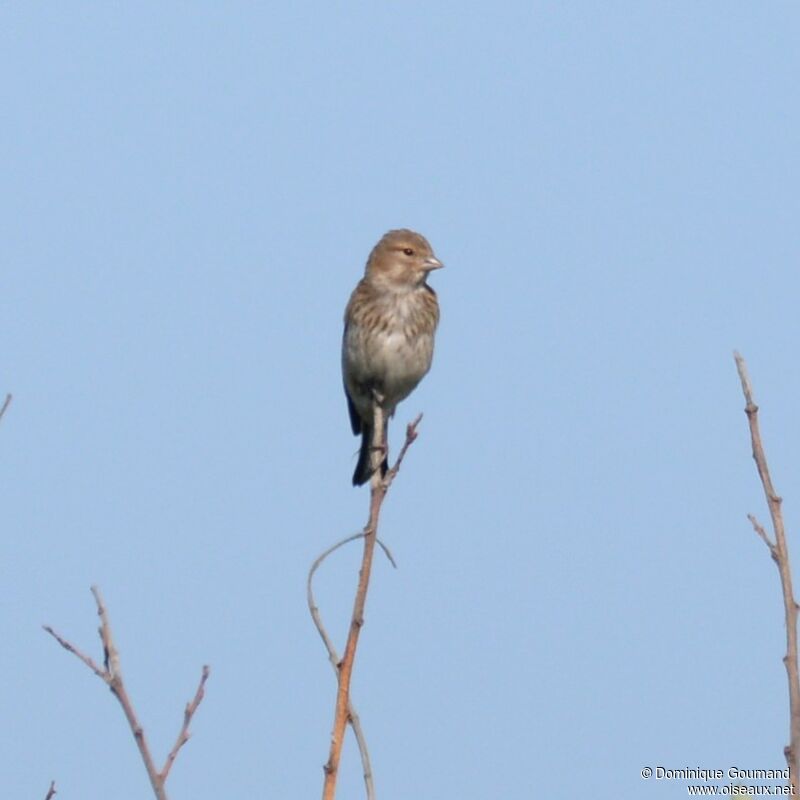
(333, 656)
(312, 606)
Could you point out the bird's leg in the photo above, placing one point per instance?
(378, 397)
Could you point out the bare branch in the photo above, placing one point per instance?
(74, 650)
(188, 713)
(355, 721)
(741, 368)
(378, 488)
(779, 551)
(117, 685)
(411, 436)
(759, 529)
(51, 792)
(312, 606)
(111, 674)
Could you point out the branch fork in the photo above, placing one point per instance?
(345, 712)
(111, 674)
(779, 551)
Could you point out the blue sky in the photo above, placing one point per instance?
(190, 193)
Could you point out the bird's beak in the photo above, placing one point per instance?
(431, 262)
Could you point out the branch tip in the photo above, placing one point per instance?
(779, 551)
(3, 408)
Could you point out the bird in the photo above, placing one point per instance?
(389, 327)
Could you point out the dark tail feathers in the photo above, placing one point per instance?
(364, 469)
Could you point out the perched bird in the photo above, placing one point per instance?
(389, 325)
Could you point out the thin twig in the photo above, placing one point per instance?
(51, 792)
(764, 536)
(378, 488)
(183, 735)
(411, 435)
(355, 721)
(6, 404)
(111, 675)
(312, 606)
(117, 686)
(74, 650)
(779, 551)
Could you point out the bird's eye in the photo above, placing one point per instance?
(408, 251)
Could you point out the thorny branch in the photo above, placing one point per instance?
(111, 675)
(779, 551)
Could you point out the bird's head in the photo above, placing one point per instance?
(402, 259)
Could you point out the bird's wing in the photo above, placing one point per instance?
(355, 420)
